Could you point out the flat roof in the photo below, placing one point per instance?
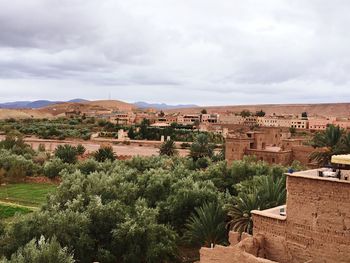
(272, 212)
(313, 174)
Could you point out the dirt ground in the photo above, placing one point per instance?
(134, 149)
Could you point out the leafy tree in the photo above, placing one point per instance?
(131, 133)
(260, 113)
(104, 153)
(144, 128)
(41, 251)
(245, 113)
(168, 148)
(204, 111)
(67, 153)
(292, 130)
(15, 167)
(304, 115)
(206, 225)
(15, 143)
(88, 166)
(142, 239)
(54, 167)
(201, 147)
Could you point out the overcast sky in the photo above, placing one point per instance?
(207, 52)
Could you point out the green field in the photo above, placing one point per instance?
(7, 211)
(26, 194)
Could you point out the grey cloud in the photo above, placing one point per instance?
(215, 51)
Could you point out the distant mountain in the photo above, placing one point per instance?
(34, 104)
(162, 106)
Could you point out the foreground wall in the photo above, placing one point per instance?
(317, 227)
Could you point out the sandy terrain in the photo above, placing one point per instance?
(91, 146)
(327, 109)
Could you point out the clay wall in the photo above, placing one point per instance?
(235, 148)
(317, 226)
(274, 232)
(318, 220)
(271, 157)
(302, 153)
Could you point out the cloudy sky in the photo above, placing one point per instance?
(176, 51)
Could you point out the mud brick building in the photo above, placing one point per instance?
(271, 144)
(314, 226)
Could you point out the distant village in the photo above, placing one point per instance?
(276, 139)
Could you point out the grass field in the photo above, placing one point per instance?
(26, 194)
(7, 211)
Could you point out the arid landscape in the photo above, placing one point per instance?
(174, 131)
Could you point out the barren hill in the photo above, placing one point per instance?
(61, 108)
(56, 110)
(322, 109)
(23, 114)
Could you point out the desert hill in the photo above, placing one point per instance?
(57, 110)
(98, 105)
(322, 109)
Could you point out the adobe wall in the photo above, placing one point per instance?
(243, 248)
(235, 149)
(283, 158)
(302, 153)
(274, 232)
(222, 254)
(318, 220)
(317, 226)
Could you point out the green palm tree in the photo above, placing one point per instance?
(168, 148)
(240, 213)
(328, 143)
(206, 226)
(266, 192)
(272, 191)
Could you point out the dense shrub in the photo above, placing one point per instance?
(41, 251)
(54, 167)
(104, 153)
(16, 167)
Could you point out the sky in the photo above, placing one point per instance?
(204, 52)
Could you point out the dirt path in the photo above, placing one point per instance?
(8, 203)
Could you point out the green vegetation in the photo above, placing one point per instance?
(41, 251)
(168, 148)
(206, 226)
(260, 113)
(104, 153)
(332, 141)
(82, 128)
(201, 147)
(7, 211)
(141, 209)
(257, 193)
(245, 113)
(137, 210)
(27, 194)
